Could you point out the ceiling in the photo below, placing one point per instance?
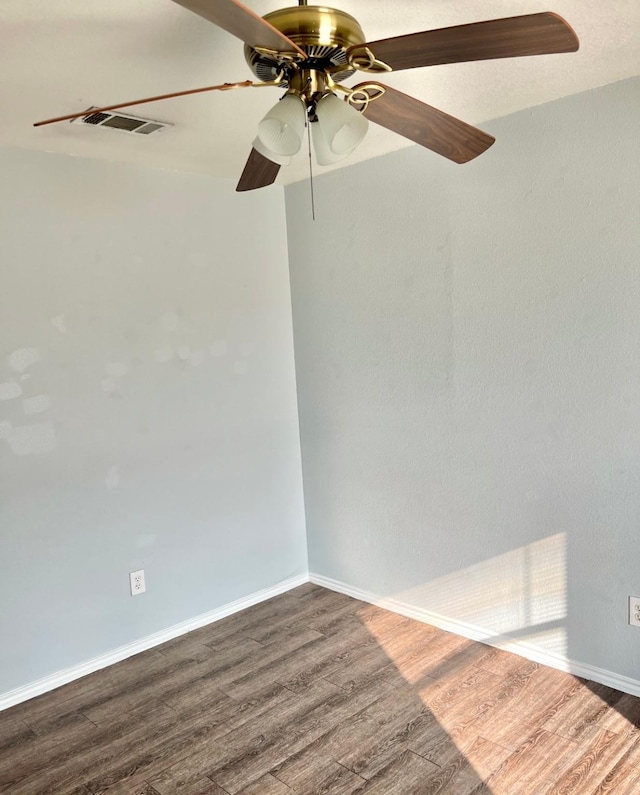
(64, 56)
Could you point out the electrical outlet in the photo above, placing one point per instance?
(634, 611)
(136, 581)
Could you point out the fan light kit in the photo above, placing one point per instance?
(309, 51)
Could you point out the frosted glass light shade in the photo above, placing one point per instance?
(342, 125)
(281, 160)
(324, 155)
(282, 129)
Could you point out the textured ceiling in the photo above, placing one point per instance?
(63, 56)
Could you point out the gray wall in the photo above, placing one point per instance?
(468, 365)
(147, 405)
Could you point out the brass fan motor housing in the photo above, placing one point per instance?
(325, 34)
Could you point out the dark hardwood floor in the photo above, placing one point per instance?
(313, 692)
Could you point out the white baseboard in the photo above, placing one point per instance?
(522, 648)
(59, 678)
(526, 650)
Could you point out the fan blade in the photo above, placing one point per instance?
(531, 34)
(240, 21)
(93, 111)
(258, 172)
(427, 126)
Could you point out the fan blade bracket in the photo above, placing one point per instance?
(361, 58)
(365, 93)
(283, 57)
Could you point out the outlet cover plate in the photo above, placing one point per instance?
(136, 582)
(634, 611)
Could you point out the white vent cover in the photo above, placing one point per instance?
(122, 122)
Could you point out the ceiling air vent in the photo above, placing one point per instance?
(123, 122)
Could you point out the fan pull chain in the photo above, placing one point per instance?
(313, 205)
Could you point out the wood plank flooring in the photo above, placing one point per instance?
(313, 692)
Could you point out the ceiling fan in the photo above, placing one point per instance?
(311, 50)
